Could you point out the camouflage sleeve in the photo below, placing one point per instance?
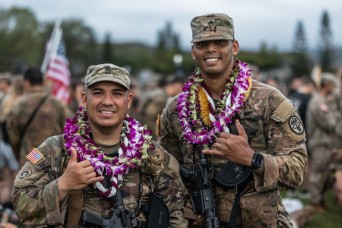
(321, 115)
(35, 197)
(286, 158)
(168, 130)
(168, 184)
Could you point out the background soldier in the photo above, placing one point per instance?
(336, 160)
(34, 116)
(113, 169)
(245, 128)
(321, 123)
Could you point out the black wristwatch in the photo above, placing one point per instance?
(257, 160)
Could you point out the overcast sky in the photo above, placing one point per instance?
(272, 21)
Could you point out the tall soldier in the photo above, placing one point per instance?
(336, 165)
(252, 137)
(321, 122)
(104, 171)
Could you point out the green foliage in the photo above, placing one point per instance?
(107, 56)
(266, 58)
(325, 45)
(19, 38)
(329, 219)
(300, 61)
(135, 56)
(23, 39)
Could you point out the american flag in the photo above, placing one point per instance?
(34, 156)
(57, 73)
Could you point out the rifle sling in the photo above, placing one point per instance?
(23, 130)
(236, 205)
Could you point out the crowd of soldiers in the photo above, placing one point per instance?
(305, 127)
(319, 105)
(20, 95)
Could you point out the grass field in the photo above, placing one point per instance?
(332, 218)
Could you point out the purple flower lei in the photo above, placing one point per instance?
(135, 142)
(194, 131)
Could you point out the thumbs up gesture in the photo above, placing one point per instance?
(77, 175)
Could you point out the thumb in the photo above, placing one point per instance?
(240, 129)
(73, 155)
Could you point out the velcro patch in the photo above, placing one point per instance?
(35, 156)
(283, 111)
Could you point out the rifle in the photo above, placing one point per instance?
(202, 195)
(119, 219)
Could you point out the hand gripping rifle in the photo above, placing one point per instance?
(202, 195)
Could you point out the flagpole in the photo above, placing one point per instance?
(52, 46)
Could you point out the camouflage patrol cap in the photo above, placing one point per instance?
(107, 72)
(214, 26)
(328, 78)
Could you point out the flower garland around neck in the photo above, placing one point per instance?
(135, 142)
(203, 128)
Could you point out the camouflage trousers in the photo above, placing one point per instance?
(319, 174)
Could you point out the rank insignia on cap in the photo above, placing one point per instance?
(108, 70)
(35, 156)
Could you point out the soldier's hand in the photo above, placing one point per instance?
(232, 147)
(77, 175)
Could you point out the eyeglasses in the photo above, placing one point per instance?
(203, 44)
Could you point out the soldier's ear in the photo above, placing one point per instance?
(130, 99)
(236, 47)
(84, 98)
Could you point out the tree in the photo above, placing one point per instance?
(300, 61)
(20, 40)
(265, 58)
(107, 56)
(325, 45)
(167, 47)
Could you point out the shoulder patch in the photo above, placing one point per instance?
(296, 125)
(284, 110)
(35, 156)
(156, 156)
(24, 173)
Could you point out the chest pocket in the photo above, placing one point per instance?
(136, 188)
(253, 124)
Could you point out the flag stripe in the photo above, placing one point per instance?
(59, 74)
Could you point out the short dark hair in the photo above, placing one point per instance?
(34, 76)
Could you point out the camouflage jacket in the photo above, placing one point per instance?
(275, 129)
(321, 121)
(336, 109)
(48, 121)
(36, 201)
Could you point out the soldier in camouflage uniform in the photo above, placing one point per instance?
(336, 160)
(103, 154)
(47, 121)
(235, 118)
(321, 123)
